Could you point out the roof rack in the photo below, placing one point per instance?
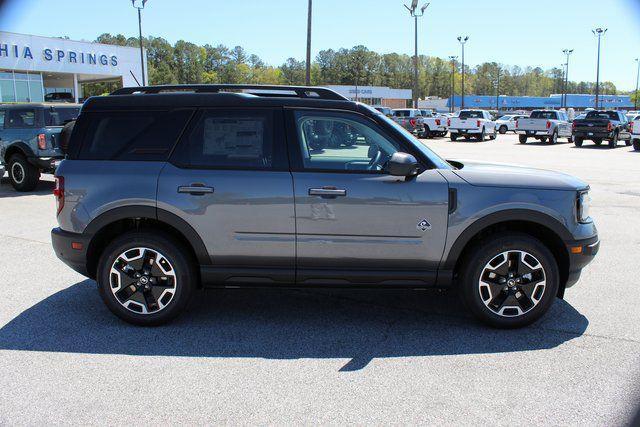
(259, 90)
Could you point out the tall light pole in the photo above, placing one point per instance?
(139, 4)
(462, 43)
(415, 14)
(498, 91)
(452, 91)
(598, 32)
(635, 100)
(567, 53)
(308, 68)
(563, 67)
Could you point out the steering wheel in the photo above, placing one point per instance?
(376, 162)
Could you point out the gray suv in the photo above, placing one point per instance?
(168, 189)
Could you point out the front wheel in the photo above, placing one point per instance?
(636, 144)
(22, 174)
(509, 280)
(578, 141)
(502, 130)
(554, 138)
(522, 139)
(481, 137)
(145, 278)
(627, 142)
(454, 137)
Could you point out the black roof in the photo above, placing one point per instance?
(176, 96)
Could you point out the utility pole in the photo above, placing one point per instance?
(635, 100)
(139, 4)
(308, 64)
(567, 53)
(452, 90)
(415, 15)
(462, 43)
(599, 32)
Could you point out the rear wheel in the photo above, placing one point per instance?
(454, 136)
(510, 280)
(22, 174)
(145, 278)
(554, 138)
(578, 141)
(522, 139)
(636, 144)
(627, 142)
(614, 141)
(543, 139)
(426, 133)
(502, 130)
(597, 141)
(481, 137)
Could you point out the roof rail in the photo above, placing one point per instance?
(260, 90)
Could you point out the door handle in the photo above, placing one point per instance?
(195, 189)
(327, 192)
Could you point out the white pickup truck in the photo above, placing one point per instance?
(635, 134)
(434, 125)
(472, 123)
(544, 125)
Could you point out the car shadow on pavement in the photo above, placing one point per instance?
(44, 188)
(284, 324)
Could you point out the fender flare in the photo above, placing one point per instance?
(20, 146)
(150, 212)
(522, 215)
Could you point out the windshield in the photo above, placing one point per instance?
(471, 115)
(59, 116)
(438, 162)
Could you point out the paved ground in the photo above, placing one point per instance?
(282, 357)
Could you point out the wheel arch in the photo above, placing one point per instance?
(536, 224)
(18, 147)
(114, 222)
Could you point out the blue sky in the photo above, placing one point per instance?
(524, 33)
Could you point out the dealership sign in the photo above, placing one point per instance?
(50, 54)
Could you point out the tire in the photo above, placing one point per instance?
(543, 140)
(482, 136)
(570, 139)
(494, 135)
(454, 137)
(519, 300)
(597, 141)
(578, 141)
(614, 141)
(554, 138)
(522, 139)
(170, 299)
(22, 174)
(427, 133)
(502, 130)
(636, 144)
(627, 142)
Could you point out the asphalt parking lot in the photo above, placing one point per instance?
(328, 357)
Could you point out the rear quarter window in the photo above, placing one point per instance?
(59, 116)
(20, 118)
(132, 135)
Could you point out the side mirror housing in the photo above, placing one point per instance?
(402, 164)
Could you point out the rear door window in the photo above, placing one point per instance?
(232, 139)
(134, 135)
(20, 118)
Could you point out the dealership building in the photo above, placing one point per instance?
(375, 95)
(33, 66)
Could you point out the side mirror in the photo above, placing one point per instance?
(402, 164)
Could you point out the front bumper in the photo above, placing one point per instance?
(71, 248)
(581, 253)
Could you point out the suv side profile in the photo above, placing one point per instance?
(167, 189)
(30, 140)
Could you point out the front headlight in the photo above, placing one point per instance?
(584, 206)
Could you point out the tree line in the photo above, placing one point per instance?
(188, 63)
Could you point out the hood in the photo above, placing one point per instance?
(504, 175)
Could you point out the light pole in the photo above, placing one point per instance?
(415, 14)
(452, 90)
(139, 4)
(567, 53)
(599, 32)
(498, 91)
(635, 100)
(308, 65)
(563, 67)
(462, 43)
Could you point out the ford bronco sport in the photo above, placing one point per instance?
(168, 189)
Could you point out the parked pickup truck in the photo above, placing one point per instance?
(634, 127)
(30, 140)
(410, 119)
(600, 125)
(544, 125)
(434, 125)
(472, 123)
